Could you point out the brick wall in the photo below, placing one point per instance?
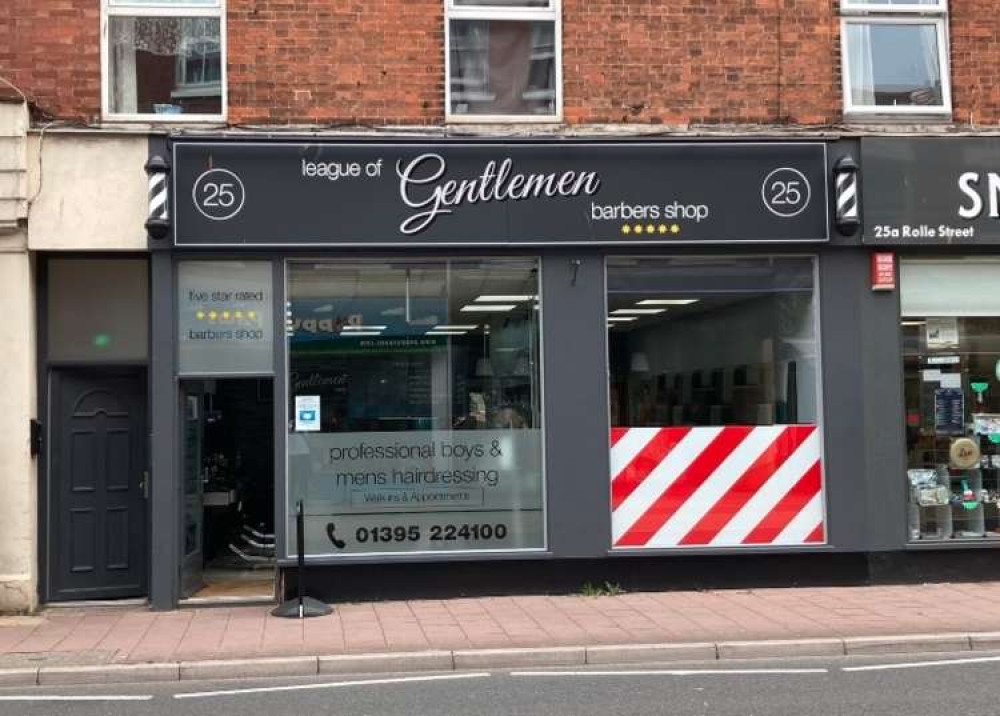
(336, 61)
(704, 61)
(975, 61)
(51, 50)
(347, 62)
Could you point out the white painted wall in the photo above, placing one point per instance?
(18, 495)
(92, 194)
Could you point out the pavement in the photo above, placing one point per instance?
(121, 644)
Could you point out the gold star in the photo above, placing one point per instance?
(212, 315)
(650, 228)
(638, 228)
(239, 315)
(225, 315)
(200, 315)
(675, 229)
(626, 229)
(663, 228)
(251, 315)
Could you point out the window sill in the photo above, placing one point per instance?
(503, 119)
(134, 121)
(942, 118)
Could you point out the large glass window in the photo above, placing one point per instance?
(895, 56)
(414, 406)
(503, 58)
(714, 383)
(951, 370)
(164, 58)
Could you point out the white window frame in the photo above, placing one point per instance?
(552, 13)
(152, 8)
(863, 13)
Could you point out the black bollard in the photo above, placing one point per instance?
(302, 606)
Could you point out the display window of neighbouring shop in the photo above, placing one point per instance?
(414, 405)
(714, 395)
(951, 367)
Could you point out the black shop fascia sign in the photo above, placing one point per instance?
(392, 194)
(931, 191)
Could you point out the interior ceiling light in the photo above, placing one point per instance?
(356, 334)
(667, 301)
(470, 327)
(445, 333)
(623, 319)
(483, 307)
(363, 328)
(637, 311)
(503, 299)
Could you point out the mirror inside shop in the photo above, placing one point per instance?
(952, 392)
(228, 508)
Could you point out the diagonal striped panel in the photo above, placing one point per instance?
(641, 532)
(786, 440)
(714, 486)
(655, 446)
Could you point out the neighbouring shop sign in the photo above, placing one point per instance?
(283, 194)
(420, 491)
(931, 190)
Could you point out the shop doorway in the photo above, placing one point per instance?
(98, 485)
(227, 513)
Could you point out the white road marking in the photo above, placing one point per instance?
(920, 664)
(331, 685)
(672, 672)
(76, 698)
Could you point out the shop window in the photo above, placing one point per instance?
(414, 406)
(98, 310)
(164, 59)
(895, 57)
(714, 384)
(503, 59)
(951, 371)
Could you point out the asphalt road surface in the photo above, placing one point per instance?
(918, 685)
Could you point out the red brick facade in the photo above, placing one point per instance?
(334, 62)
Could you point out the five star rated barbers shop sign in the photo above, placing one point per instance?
(284, 194)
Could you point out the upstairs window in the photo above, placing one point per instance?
(895, 57)
(164, 60)
(503, 60)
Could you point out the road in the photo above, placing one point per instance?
(918, 685)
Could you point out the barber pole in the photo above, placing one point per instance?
(158, 220)
(846, 180)
(716, 486)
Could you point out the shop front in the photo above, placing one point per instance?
(932, 209)
(500, 352)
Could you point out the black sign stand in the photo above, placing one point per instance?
(301, 606)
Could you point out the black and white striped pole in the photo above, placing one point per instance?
(158, 221)
(848, 216)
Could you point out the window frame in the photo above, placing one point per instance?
(552, 13)
(152, 8)
(820, 422)
(864, 13)
(283, 372)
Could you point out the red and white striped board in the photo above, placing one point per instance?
(716, 486)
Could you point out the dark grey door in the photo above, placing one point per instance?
(98, 482)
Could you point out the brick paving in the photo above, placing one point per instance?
(134, 634)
